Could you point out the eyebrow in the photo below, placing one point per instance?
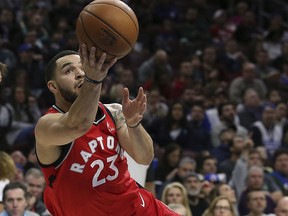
(68, 63)
(65, 64)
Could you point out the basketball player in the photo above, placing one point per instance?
(80, 143)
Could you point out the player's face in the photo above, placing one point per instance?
(15, 202)
(69, 77)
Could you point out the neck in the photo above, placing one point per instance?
(63, 105)
(255, 214)
(234, 157)
(193, 200)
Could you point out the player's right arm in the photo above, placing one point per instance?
(58, 129)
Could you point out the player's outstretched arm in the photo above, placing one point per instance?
(60, 129)
(132, 136)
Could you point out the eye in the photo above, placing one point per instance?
(69, 70)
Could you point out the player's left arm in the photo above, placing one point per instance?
(132, 136)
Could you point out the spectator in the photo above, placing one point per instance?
(231, 59)
(282, 207)
(239, 11)
(257, 203)
(127, 79)
(182, 79)
(35, 184)
(236, 147)
(157, 108)
(256, 181)
(274, 36)
(8, 171)
(221, 30)
(193, 184)
(264, 70)
(15, 197)
(222, 152)
(185, 166)
(281, 114)
(173, 128)
(248, 158)
(159, 63)
(25, 113)
(247, 80)
(266, 132)
(220, 206)
(280, 166)
(168, 163)
(227, 115)
(248, 32)
(210, 67)
(208, 165)
(200, 142)
(251, 109)
(224, 189)
(176, 193)
(5, 112)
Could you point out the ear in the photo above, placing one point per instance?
(52, 86)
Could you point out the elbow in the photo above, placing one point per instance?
(81, 127)
(146, 159)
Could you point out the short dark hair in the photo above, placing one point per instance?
(222, 105)
(51, 66)
(277, 153)
(254, 190)
(15, 185)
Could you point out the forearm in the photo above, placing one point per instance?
(142, 144)
(83, 111)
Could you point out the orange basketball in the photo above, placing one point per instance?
(109, 25)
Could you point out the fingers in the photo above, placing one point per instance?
(140, 94)
(102, 58)
(92, 56)
(84, 53)
(125, 95)
(110, 64)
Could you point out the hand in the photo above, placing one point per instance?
(171, 174)
(96, 70)
(133, 110)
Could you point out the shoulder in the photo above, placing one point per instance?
(117, 114)
(113, 107)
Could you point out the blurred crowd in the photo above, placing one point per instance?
(216, 77)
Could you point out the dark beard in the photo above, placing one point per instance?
(68, 95)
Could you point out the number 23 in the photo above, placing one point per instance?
(96, 181)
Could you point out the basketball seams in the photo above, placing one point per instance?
(122, 37)
(106, 3)
(88, 36)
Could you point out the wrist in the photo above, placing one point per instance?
(133, 126)
(93, 81)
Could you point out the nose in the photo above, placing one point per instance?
(80, 74)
